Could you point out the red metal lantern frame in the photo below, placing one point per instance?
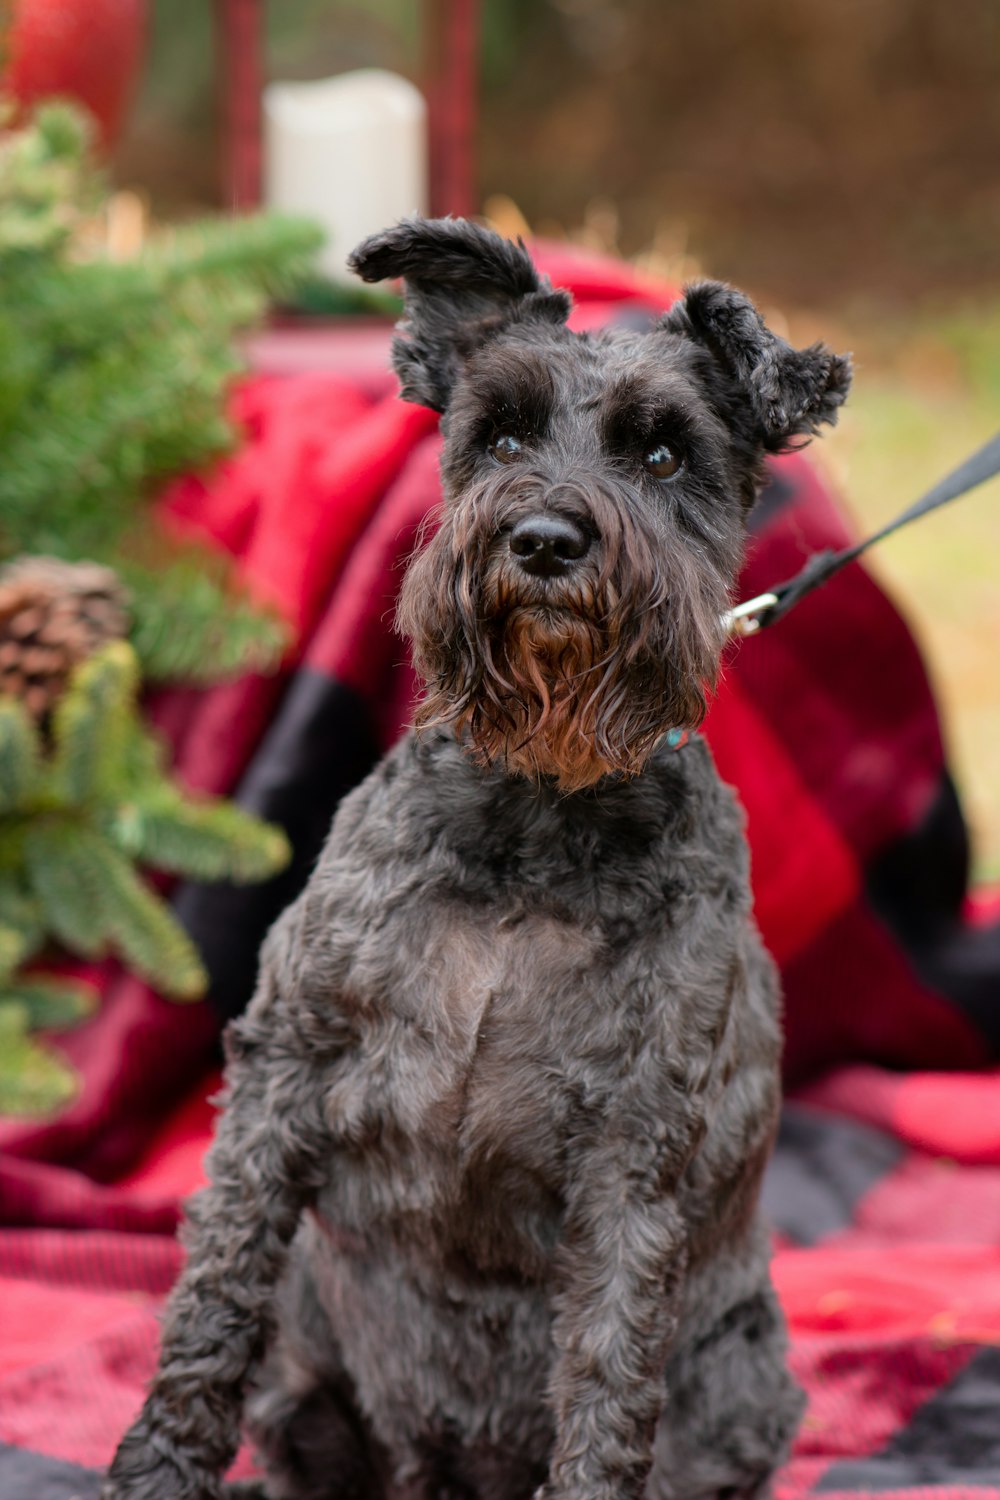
(450, 84)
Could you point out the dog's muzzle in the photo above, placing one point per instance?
(547, 545)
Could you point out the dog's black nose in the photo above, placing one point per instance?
(547, 545)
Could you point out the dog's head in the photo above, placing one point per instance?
(567, 610)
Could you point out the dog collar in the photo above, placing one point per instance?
(674, 739)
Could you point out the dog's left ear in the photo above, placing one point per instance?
(789, 392)
(461, 283)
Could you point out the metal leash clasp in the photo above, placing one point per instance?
(746, 618)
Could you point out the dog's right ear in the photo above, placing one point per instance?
(461, 284)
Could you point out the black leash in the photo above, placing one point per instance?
(767, 609)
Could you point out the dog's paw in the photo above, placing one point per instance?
(158, 1482)
(144, 1468)
(551, 1491)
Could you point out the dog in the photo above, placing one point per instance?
(483, 1216)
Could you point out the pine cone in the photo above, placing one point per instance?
(53, 615)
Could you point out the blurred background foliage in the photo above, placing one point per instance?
(841, 162)
(817, 152)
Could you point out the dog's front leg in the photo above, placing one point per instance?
(270, 1155)
(623, 1261)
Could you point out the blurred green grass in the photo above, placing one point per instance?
(926, 394)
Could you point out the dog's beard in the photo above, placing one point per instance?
(574, 684)
(549, 703)
(540, 713)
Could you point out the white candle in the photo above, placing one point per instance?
(350, 152)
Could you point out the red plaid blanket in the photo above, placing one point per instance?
(859, 857)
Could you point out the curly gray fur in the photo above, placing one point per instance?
(483, 1220)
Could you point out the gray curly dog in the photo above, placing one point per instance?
(483, 1220)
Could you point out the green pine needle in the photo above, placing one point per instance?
(22, 929)
(272, 251)
(190, 622)
(65, 133)
(20, 755)
(51, 1002)
(145, 933)
(92, 900)
(93, 723)
(64, 865)
(12, 950)
(210, 840)
(34, 1080)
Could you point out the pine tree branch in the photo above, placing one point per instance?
(22, 929)
(11, 950)
(92, 725)
(143, 930)
(34, 1080)
(20, 756)
(209, 840)
(113, 377)
(191, 622)
(66, 872)
(50, 1001)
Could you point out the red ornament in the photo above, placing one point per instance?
(88, 50)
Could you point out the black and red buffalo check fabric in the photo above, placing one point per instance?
(885, 1186)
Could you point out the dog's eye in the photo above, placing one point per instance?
(662, 461)
(505, 447)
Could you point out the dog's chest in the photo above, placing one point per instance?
(461, 1095)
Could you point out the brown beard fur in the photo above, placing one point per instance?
(550, 720)
(574, 690)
